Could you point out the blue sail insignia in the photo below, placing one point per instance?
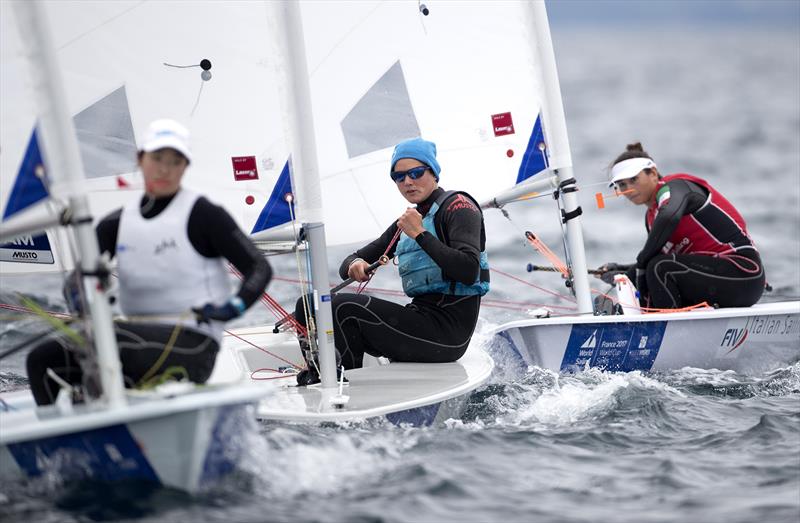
(277, 210)
(535, 159)
(28, 189)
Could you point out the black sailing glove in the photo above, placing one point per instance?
(611, 269)
(233, 308)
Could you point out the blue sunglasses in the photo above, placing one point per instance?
(416, 172)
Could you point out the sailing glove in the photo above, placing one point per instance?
(610, 270)
(233, 308)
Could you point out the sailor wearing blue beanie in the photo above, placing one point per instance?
(439, 243)
(418, 149)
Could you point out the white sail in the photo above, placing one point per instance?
(118, 79)
(464, 77)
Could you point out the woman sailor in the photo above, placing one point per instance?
(171, 245)
(697, 248)
(440, 247)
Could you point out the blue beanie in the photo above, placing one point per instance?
(418, 149)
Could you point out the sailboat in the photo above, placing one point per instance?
(218, 69)
(181, 436)
(744, 339)
(416, 394)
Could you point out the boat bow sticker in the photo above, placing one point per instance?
(107, 453)
(614, 346)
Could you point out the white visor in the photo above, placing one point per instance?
(630, 168)
(167, 134)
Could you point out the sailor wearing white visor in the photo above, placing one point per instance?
(697, 249)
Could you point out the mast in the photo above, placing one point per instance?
(305, 172)
(560, 156)
(60, 148)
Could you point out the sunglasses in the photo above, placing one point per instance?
(621, 185)
(415, 173)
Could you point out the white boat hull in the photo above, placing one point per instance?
(186, 441)
(745, 340)
(417, 394)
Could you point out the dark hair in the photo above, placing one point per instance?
(633, 150)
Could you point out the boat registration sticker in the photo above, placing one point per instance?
(614, 347)
(502, 124)
(244, 168)
(27, 249)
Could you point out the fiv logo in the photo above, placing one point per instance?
(733, 338)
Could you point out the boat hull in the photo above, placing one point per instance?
(746, 340)
(417, 394)
(187, 442)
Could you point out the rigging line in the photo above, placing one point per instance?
(507, 216)
(276, 371)
(311, 327)
(522, 304)
(21, 308)
(484, 303)
(164, 353)
(384, 259)
(520, 280)
(95, 28)
(561, 222)
(262, 349)
(594, 184)
(197, 102)
(545, 251)
(420, 7)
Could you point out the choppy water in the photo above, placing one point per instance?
(687, 445)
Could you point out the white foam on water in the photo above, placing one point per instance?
(329, 462)
(558, 400)
(574, 401)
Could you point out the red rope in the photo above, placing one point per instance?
(20, 308)
(273, 306)
(363, 285)
(534, 286)
(264, 350)
(265, 369)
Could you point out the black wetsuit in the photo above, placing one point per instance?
(213, 233)
(682, 279)
(433, 328)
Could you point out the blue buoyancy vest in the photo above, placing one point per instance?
(421, 275)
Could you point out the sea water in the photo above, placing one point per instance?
(685, 445)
